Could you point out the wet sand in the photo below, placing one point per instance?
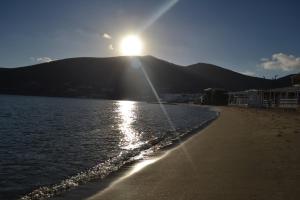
(244, 154)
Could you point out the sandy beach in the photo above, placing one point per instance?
(244, 154)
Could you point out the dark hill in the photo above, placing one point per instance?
(121, 77)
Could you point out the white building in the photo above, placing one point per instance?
(287, 97)
(248, 98)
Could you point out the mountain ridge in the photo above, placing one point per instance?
(122, 78)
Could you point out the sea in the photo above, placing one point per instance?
(50, 145)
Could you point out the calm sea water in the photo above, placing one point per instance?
(49, 145)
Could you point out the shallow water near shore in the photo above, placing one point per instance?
(50, 145)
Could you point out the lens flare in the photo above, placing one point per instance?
(131, 45)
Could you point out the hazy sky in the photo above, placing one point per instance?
(256, 37)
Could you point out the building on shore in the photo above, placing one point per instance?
(287, 97)
(248, 98)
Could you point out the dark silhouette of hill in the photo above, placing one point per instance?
(121, 77)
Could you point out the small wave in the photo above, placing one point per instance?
(102, 170)
(97, 172)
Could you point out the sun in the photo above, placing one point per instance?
(131, 45)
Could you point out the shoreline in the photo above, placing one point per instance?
(243, 154)
(129, 169)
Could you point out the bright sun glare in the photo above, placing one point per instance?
(131, 45)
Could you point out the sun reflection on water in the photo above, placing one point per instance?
(127, 116)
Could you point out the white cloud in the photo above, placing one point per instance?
(249, 73)
(106, 36)
(41, 59)
(281, 61)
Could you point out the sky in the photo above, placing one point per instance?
(257, 37)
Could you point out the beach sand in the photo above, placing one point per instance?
(244, 154)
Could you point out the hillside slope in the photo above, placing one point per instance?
(121, 77)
